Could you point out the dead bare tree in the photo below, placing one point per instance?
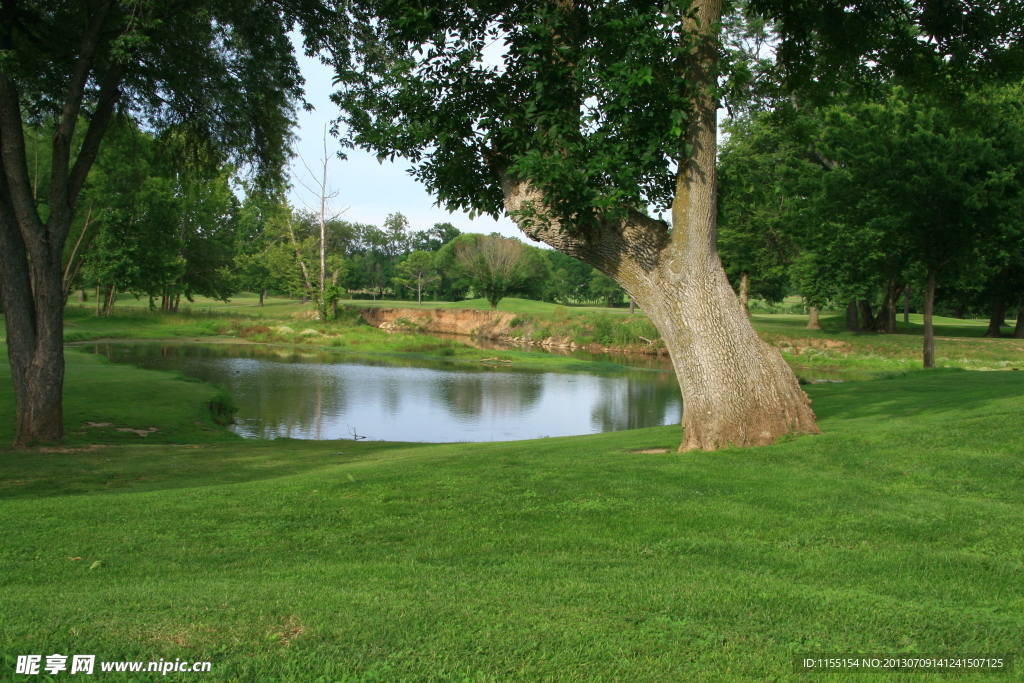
(325, 194)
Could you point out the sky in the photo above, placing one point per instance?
(369, 189)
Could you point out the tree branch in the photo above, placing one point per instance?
(59, 200)
(15, 163)
(110, 93)
(637, 238)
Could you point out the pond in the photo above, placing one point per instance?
(320, 394)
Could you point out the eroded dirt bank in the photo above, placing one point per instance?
(465, 321)
(496, 325)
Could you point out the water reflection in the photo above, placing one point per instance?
(319, 394)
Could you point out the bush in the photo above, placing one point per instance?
(222, 407)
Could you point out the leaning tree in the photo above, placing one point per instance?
(219, 74)
(585, 121)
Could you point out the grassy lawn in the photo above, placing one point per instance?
(574, 559)
(959, 342)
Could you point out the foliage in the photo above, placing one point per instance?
(416, 272)
(496, 265)
(222, 408)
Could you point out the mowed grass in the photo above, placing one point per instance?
(576, 559)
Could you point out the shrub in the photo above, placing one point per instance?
(222, 407)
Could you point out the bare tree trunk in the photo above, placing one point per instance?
(906, 304)
(108, 304)
(82, 297)
(97, 301)
(997, 320)
(263, 294)
(886, 320)
(737, 390)
(744, 293)
(632, 305)
(851, 316)
(929, 330)
(1018, 329)
(71, 269)
(812, 319)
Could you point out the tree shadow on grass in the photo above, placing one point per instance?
(47, 472)
(952, 393)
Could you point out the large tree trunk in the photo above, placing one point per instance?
(33, 302)
(929, 330)
(886, 320)
(1018, 329)
(745, 293)
(31, 251)
(867, 319)
(737, 390)
(813, 322)
(997, 320)
(851, 316)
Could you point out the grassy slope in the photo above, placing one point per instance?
(959, 342)
(572, 559)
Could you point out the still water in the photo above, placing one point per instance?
(318, 394)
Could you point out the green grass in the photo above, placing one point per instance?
(243, 303)
(959, 344)
(117, 397)
(349, 335)
(573, 559)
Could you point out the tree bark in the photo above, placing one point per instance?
(851, 316)
(737, 390)
(867, 319)
(82, 297)
(812, 319)
(108, 302)
(886, 320)
(632, 305)
(1018, 329)
(929, 330)
(906, 304)
(33, 303)
(997, 320)
(263, 294)
(745, 293)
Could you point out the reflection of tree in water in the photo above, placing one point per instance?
(504, 393)
(300, 393)
(631, 403)
(282, 399)
(288, 401)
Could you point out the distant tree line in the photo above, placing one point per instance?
(160, 228)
